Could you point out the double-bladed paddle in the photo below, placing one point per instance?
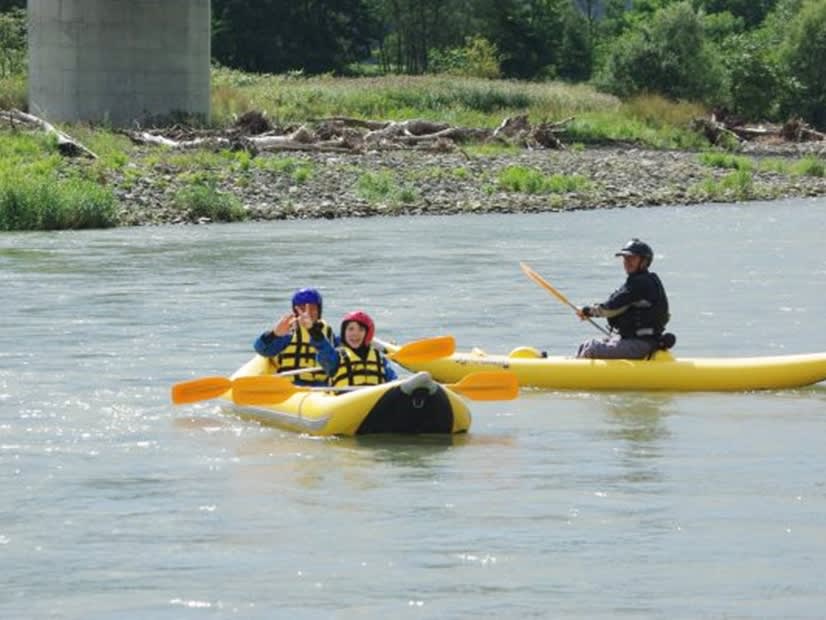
(272, 389)
(547, 286)
(206, 388)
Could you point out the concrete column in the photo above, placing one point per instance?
(118, 61)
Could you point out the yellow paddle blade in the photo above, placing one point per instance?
(488, 385)
(425, 350)
(199, 389)
(263, 390)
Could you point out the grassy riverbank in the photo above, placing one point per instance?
(127, 184)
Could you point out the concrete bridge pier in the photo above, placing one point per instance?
(118, 61)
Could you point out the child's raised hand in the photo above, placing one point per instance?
(285, 325)
(304, 318)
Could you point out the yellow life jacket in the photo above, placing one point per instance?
(353, 370)
(301, 354)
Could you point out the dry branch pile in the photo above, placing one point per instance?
(717, 128)
(252, 132)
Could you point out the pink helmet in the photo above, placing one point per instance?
(363, 319)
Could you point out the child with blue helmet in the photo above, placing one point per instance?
(288, 344)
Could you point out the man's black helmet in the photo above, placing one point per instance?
(635, 247)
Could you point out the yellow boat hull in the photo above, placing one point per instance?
(412, 405)
(663, 372)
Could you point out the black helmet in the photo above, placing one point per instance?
(635, 247)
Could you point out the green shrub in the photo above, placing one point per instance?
(532, 181)
(478, 58)
(206, 201)
(383, 187)
(811, 167)
(666, 55)
(752, 76)
(726, 161)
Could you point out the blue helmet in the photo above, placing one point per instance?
(307, 296)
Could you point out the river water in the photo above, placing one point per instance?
(115, 504)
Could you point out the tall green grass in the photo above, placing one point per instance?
(44, 203)
(13, 92)
(37, 191)
(287, 99)
(532, 181)
(726, 161)
(465, 101)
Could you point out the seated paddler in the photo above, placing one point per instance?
(637, 311)
(288, 343)
(356, 362)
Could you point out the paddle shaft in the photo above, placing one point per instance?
(547, 286)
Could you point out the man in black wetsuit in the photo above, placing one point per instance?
(637, 311)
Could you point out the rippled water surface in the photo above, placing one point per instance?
(115, 504)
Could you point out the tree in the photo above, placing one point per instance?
(666, 55)
(804, 55)
(752, 12)
(575, 53)
(12, 42)
(528, 34)
(7, 5)
(752, 75)
(278, 35)
(410, 30)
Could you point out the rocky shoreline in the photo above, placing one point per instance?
(413, 182)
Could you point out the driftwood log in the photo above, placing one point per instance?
(66, 145)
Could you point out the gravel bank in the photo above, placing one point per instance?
(414, 182)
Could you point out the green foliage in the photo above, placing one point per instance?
(532, 181)
(648, 119)
(753, 76)
(666, 55)
(527, 34)
(299, 171)
(804, 55)
(382, 186)
(811, 167)
(575, 61)
(47, 203)
(272, 36)
(738, 185)
(478, 58)
(12, 43)
(726, 161)
(750, 12)
(204, 200)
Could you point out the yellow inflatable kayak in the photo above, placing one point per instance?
(663, 372)
(414, 404)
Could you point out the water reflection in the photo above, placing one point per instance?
(637, 421)
(637, 417)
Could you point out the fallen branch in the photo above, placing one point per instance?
(144, 137)
(66, 145)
